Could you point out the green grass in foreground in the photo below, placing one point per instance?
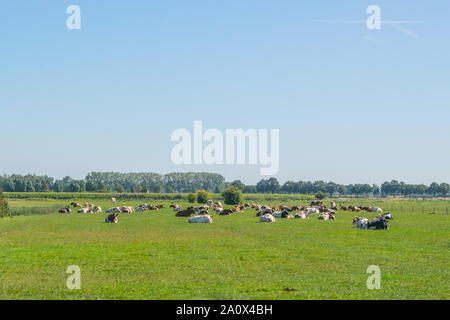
(153, 255)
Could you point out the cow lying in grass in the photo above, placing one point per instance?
(185, 213)
(112, 218)
(302, 215)
(65, 210)
(85, 210)
(201, 219)
(76, 205)
(226, 212)
(379, 223)
(113, 210)
(283, 214)
(326, 216)
(267, 218)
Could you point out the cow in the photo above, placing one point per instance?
(113, 200)
(283, 214)
(225, 212)
(387, 216)
(333, 206)
(263, 212)
(201, 219)
(302, 215)
(113, 210)
(97, 209)
(125, 209)
(312, 210)
(360, 222)
(141, 208)
(65, 210)
(176, 207)
(85, 210)
(376, 210)
(112, 218)
(267, 218)
(316, 203)
(76, 205)
(88, 205)
(326, 216)
(378, 224)
(185, 213)
(209, 202)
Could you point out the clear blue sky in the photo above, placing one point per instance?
(352, 105)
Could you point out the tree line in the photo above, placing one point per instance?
(185, 182)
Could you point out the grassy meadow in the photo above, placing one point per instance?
(154, 255)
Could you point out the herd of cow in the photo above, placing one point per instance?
(265, 213)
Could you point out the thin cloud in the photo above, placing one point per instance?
(395, 22)
(408, 32)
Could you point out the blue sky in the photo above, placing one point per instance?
(352, 104)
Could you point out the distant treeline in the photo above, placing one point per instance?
(180, 182)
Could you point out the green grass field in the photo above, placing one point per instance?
(154, 255)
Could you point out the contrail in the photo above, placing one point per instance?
(364, 21)
(408, 32)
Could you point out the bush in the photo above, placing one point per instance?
(203, 196)
(320, 195)
(232, 195)
(191, 197)
(4, 208)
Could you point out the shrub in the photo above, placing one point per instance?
(4, 208)
(320, 195)
(191, 197)
(203, 196)
(232, 195)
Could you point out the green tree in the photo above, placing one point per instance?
(203, 196)
(238, 184)
(192, 198)
(320, 195)
(232, 195)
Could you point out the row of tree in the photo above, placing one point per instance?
(185, 182)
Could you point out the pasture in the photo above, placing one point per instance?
(155, 255)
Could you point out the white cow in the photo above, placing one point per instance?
(97, 209)
(201, 219)
(85, 210)
(112, 210)
(113, 200)
(360, 223)
(267, 218)
(302, 215)
(312, 210)
(377, 210)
